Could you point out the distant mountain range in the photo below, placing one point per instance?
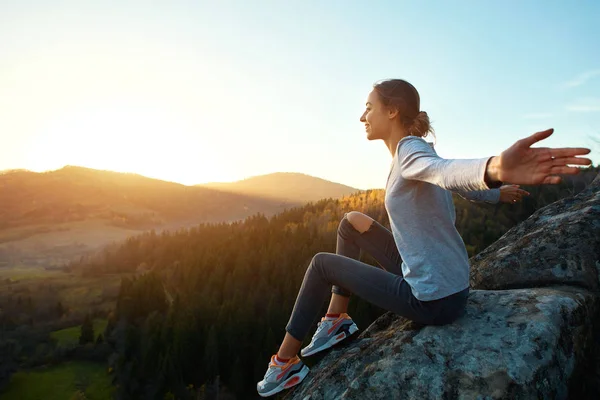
(285, 186)
(51, 215)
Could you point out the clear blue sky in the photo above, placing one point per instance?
(202, 91)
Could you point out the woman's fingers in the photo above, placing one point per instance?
(571, 161)
(571, 152)
(564, 170)
(536, 137)
(533, 166)
(515, 195)
(518, 192)
(551, 180)
(559, 152)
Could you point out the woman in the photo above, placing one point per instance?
(424, 274)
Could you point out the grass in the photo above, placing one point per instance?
(77, 293)
(21, 273)
(70, 336)
(60, 382)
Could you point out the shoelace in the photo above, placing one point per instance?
(271, 371)
(321, 326)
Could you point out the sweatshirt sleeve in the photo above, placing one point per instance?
(418, 161)
(491, 196)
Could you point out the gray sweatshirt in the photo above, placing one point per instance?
(419, 205)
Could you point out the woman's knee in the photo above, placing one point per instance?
(359, 221)
(321, 261)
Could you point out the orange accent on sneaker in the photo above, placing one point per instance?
(281, 361)
(337, 323)
(292, 382)
(341, 335)
(287, 366)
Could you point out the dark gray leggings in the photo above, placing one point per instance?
(385, 287)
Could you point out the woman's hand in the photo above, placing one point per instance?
(512, 193)
(533, 166)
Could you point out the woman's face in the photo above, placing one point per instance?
(377, 118)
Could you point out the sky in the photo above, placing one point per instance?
(206, 91)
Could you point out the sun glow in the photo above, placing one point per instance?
(118, 110)
(125, 137)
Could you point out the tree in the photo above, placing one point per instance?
(78, 395)
(8, 361)
(211, 354)
(238, 378)
(100, 339)
(60, 310)
(87, 331)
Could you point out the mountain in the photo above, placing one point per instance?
(285, 186)
(51, 215)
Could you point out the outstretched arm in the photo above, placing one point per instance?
(491, 196)
(417, 160)
(519, 164)
(505, 194)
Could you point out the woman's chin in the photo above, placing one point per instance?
(370, 136)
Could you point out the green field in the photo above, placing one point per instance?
(61, 382)
(78, 294)
(70, 336)
(23, 273)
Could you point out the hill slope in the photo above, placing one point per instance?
(73, 209)
(286, 186)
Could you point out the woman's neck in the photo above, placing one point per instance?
(396, 135)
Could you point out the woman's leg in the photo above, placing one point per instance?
(358, 231)
(382, 288)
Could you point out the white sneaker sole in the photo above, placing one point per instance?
(288, 383)
(331, 342)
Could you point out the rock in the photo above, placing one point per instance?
(511, 344)
(558, 244)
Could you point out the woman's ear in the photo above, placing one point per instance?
(392, 113)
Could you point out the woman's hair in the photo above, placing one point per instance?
(402, 96)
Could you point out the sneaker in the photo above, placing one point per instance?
(329, 333)
(280, 377)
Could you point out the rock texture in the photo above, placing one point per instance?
(513, 344)
(530, 332)
(558, 244)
